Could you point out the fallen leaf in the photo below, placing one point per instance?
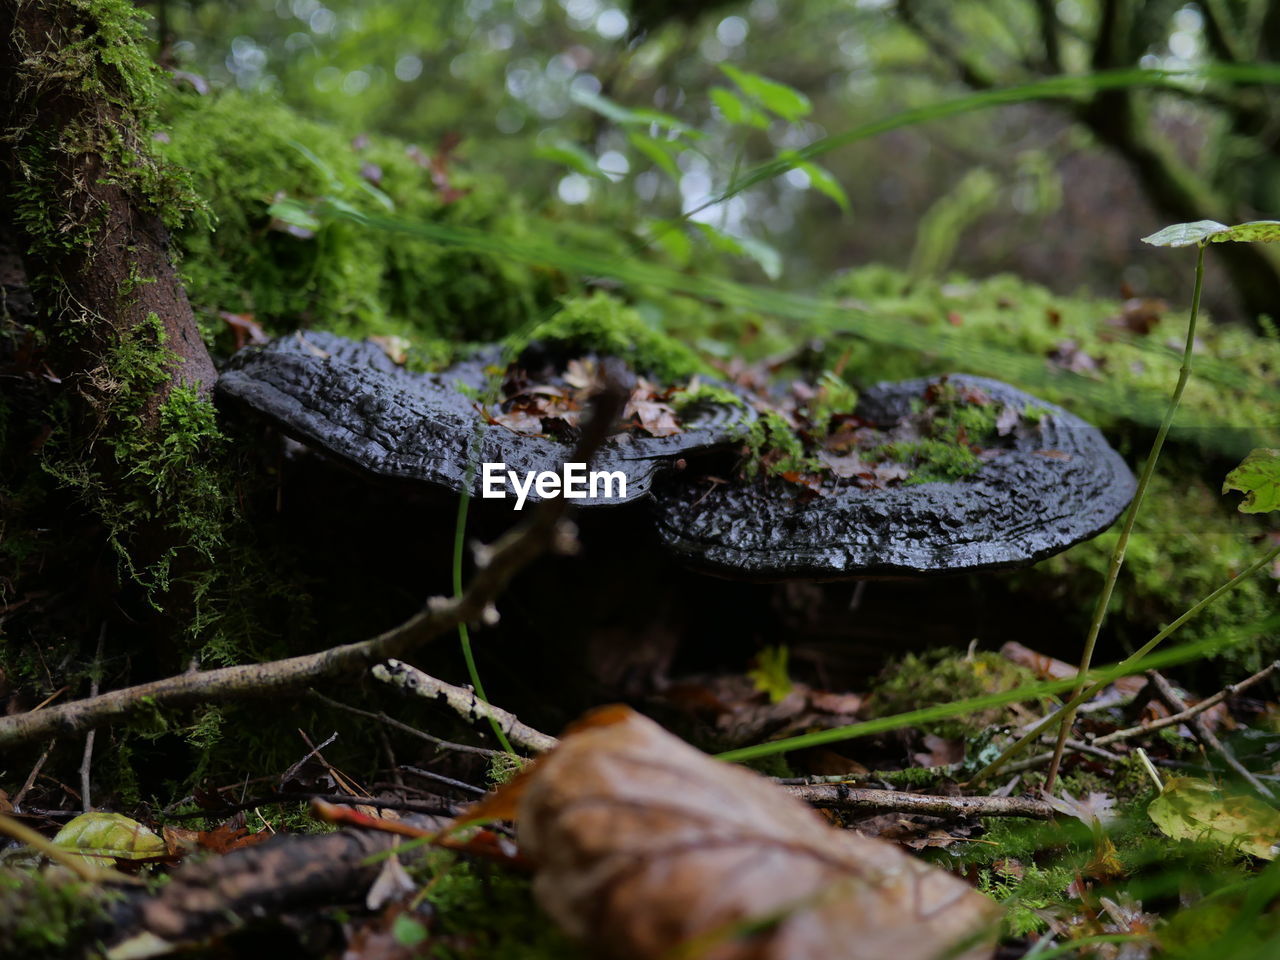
(103, 837)
(939, 752)
(646, 848)
(1007, 421)
(244, 328)
(1096, 808)
(396, 348)
(1193, 809)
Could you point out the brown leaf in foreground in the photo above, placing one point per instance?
(646, 848)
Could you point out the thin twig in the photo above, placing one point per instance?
(406, 728)
(1207, 737)
(442, 809)
(86, 761)
(1175, 719)
(864, 800)
(447, 781)
(464, 702)
(1132, 661)
(31, 777)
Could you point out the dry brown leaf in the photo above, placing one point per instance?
(646, 847)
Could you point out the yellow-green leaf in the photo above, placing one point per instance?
(787, 102)
(102, 837)
(1192, 809)
(1258, 478)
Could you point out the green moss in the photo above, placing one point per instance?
(604, 324)
(48, 913)
(1187, 541)
(701, 393)
(488, 911)
(942, 676)
(775, 448)
(931, 460)
(1004, 321)
(247, 152)
(105, 61)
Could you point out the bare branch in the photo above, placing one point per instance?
(837, 796)
(464, 702)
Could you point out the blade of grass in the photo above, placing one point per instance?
(464, 635)
(1139, 661)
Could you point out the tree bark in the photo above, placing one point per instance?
(85, 195)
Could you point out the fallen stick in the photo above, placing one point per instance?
(405, 728)
(1185, 715)
(496, 564)
(838, 796)
(464, 702)
(1207, 737)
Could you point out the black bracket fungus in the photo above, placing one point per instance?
(1057, 482)
(351, 400)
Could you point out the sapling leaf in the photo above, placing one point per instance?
(785, 101)
(1192, 809)
(820, 179)
(1258, 478)
(1255, 231)
(1185, 234)
(736, 110)
(295, 214)
(626, 116)
(1210, 231)
(572, 156)
(661, 152)
(769, 260)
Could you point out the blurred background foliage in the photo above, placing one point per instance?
(1057, 192)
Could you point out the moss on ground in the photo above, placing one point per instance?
(1188, 540)
(944, 676)
(482, 910)
(49, 913)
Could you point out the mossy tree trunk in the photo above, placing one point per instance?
(87, 201)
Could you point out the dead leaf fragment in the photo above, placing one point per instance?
(648, 848)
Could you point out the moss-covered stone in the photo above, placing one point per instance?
(605, 324)
(245, 153)
(943, 676)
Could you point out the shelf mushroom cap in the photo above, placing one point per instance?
(349, 399)
(1059, 483)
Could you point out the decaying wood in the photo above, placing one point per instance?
(464, 702)
(287, 873)
(496, 565)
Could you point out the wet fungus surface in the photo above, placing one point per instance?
(351, 400)
(1050, 480)
(1054, 483)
